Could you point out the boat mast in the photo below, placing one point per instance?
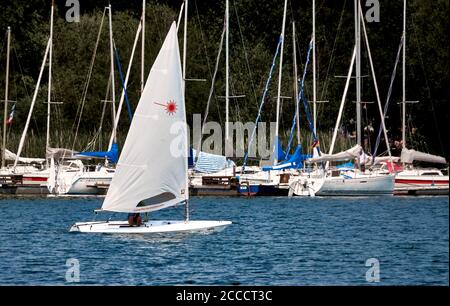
(375, 85)
(358, 71)
(143, 47)
(185, 45)
(297, 112)
(127, 76)
(180, 15)
(49, 93)
(6, 98)
(227, 71)
(186, 206)
(314, 65)
(404, 78)
(275, 160)
(341, 107)
(113, 90)
(33, 102)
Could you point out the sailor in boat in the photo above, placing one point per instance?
(362, 161)
(134, 219)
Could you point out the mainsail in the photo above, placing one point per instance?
(408, 156)
(146, 182)
(351, 153)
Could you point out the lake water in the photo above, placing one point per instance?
(273, 241)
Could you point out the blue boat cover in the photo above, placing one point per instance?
(112, 155)
(209, 163)
(279, 153)
(348, 165)
(294, 161)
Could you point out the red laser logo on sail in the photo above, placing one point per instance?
(171, 107)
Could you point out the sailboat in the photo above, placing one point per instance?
(274, 178)
(412, 180)
(146, 182)
(350, 181)
(75, 178)
(27, 175)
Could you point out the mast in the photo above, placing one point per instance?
(275, 161)
(227, 71)
(143, 47)
(125, 84)
(297, 112)
(375, 85)
(180, 15)
(404, 79)
(358, 70)
(185, 45)
(49, 93)
(186, 207)
(113, 90)
(33, 101)
(6, 98)
(314, 65)
(341, 107)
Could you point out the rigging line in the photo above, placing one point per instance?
(211, 91)
(367, 128)
(203, 39)
(386, 105)
(298, 99)
(263, 99)
(237, 113)
(331, 63)
(88, 78)
(21, 73)
(98, 133)
(25, 85)
(428, 86)
(207, 58)
(108, 89)
(252, 82)
(130, 113)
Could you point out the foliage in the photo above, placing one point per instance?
(254, 31)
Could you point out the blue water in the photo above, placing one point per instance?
(274, 241)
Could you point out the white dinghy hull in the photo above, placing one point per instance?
(151, 227)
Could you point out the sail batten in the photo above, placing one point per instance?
(143, 181)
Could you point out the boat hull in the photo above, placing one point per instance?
(421, 185)
(262, 190)
(357, 186)
(151, 227)
(306, 186)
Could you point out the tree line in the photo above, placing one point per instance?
(255, 28)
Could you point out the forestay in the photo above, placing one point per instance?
(151, 173)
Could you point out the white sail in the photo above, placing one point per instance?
(351, 153)
(12, 156)
(408, 156)
(152, 170)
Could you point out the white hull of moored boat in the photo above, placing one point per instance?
(357, 186)
(151, 227)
